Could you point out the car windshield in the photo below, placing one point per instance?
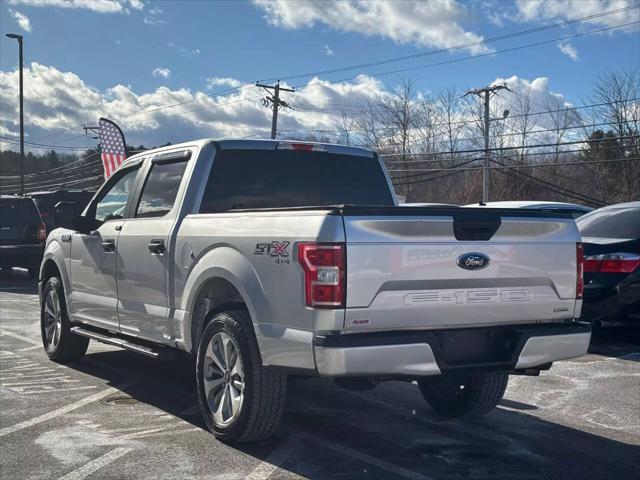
(18, 211)
(623, 222)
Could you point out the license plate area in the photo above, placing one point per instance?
(458, 348)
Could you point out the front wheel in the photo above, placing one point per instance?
(470, 395)
(59, 342)
(240, 400)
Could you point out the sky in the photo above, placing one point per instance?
(171, 71)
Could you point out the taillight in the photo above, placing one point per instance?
(324, 273)
(579, 271)
(611, 263)
(42, 232)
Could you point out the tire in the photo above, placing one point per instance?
(59, 342)
(457, 396)
(255, 396)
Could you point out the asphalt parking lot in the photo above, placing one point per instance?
(118, 415)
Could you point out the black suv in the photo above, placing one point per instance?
(22, 234)
(46, 202)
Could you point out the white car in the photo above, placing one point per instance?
(572, 208)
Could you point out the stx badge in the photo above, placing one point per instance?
(273, 249)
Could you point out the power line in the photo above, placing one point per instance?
(553, 187)
(518, 147)
(455, 47)
(510, 167)
(446, 62)
(57, 147)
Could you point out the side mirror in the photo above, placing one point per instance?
(65, 216)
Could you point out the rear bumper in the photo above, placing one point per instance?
(436, 352)
(21, 255)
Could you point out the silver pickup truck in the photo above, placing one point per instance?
(264, 259)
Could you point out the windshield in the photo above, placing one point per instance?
(623, 222)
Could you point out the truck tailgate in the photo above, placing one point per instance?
(403, 272)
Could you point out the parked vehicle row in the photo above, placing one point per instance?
(611, 243)
(25, 222)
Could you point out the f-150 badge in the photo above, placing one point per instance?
(473, 261)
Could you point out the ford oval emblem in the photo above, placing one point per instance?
(473, 261)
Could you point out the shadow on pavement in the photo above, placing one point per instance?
(341, 434)
(618, 341)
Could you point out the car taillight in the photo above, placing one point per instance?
(324, 273)
(611, 263)
(579, 271)
(42, 232)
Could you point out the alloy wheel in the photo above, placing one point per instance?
(223, 378)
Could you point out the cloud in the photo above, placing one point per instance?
(185, 52)
(222, 81)
(99, 6)
(22, 20)
(153, 17)
(559, 10)
(328, 51)
(161, 72)
(429, 24)
(569, 50)
(62, 102)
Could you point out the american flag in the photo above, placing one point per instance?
(112, 142)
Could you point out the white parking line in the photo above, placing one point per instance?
(363, 457)
(33, 347)
(273, 460)
(17, 336)
(87, 469)
(60, 411)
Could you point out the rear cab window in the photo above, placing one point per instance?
(248, 179)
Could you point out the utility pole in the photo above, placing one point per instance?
(275, 102)
(486, 93)
(19, 38)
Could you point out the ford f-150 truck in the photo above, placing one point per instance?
(264, 259)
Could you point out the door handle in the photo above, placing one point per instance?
(156, 246)
(109, 245)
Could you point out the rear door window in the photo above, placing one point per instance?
(245, 179)
(622, 223)
(160, 190)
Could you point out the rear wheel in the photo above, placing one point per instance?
(240, 400)
(468, 395)
(59, 342)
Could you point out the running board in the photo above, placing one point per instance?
(118, 342)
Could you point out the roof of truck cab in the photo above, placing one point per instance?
(247, 144)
